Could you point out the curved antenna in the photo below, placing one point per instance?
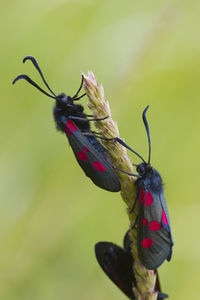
(147, 130)
(23, 76)
(34, 61)
(74, 98)
(125, 145)
(77, 98)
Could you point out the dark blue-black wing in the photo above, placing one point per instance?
(117, 264)
(154, 234)
(91, 161)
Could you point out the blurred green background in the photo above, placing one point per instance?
(51, 215)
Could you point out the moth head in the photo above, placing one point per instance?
(143, 168)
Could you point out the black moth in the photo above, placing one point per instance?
(71, 119)
(154, 234)
(117, 263)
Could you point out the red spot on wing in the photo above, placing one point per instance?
(67, 130)
(106, 269)
(148, 199)
(86, 149)
(71, 125)
(154, 225)
(164, 218)
(146, 243)
(118, 283)
(141, 196)
(82, 156)
(144, 222)
(98, 166)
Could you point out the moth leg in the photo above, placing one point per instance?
(136, 220)
(115, 139)
(101, 119)
(86, 120)
(133, 207)
(137, 197)
(91, 133)
(96, 134)
(130, 174)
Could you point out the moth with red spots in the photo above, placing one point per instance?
(154, 234)
(71, 119)
(117, 263)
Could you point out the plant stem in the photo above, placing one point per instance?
(108, 128)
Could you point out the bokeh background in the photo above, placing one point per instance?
(51, 215)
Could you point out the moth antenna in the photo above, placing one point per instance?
(75, 96)
(23, 76)
(147, 130)
(125, 145)
(33, 60)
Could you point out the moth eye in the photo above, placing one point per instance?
(62, 97)
(140, 168)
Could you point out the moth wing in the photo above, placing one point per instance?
(117, 264)
(165, 216)
(161, 296)
(154, 241)
(93, 163)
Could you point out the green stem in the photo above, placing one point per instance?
(108, 128)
